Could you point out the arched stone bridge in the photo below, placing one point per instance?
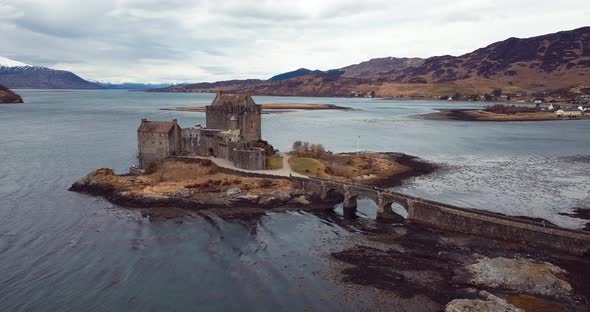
(384, 199)
(437, 215)
(448, 217)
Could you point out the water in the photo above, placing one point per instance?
(65, 251)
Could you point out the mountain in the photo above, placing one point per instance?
(375, 68)
(558, 60)
(557, 63)
(7, 96)
(228, 85)
(133, 86)
(304, 71)
(17, 75)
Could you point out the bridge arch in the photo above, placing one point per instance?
(394, 211)
(333, 195)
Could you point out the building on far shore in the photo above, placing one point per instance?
(569, 112)
(233, 132)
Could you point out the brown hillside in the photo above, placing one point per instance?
(554, 61)
(380, 67)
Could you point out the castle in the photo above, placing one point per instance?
(233, 131)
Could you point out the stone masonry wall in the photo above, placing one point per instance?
(250, 159)
(152, 147)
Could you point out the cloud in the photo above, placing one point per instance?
(208, 40)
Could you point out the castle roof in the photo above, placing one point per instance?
(233, 99)
(156, 126)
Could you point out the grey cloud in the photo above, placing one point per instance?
(214, 39)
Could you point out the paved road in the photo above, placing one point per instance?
(286, 171)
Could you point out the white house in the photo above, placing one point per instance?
(570, 113)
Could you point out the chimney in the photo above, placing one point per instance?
(218, 93)
(143, 120)
(248, 93)
(175, 121)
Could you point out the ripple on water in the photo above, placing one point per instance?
(538, 187)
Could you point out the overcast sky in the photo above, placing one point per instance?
(202, 40)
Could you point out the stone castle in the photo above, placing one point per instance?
(233, 131)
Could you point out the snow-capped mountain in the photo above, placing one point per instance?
(5, 62)
(18, 75)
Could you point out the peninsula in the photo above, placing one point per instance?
(501, 113)
(9, 97)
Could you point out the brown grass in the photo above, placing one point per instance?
(348, 167)
(173, 176)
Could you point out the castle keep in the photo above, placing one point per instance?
(233, 129)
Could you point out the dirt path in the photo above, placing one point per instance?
(286, 171)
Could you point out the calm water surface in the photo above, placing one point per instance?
(70, 252)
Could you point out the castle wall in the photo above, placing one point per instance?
(199, 141)
(248, 119)
(152, 147)
(175, 142)
(250, 124)
(250, 159)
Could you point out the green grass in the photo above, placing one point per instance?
(307, 166)
(274, 162)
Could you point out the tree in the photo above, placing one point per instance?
(297, 145)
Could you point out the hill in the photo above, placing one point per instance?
(133, 86)
(379, 67)
(559, 60)
(7, 96)
(17, 75)
(304, 71)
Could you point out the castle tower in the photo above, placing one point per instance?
(235, 111)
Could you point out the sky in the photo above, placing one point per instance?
(177, 41)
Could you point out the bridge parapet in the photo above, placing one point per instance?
(449, 217)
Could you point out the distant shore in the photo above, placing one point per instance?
(480, 115)
(272, 107)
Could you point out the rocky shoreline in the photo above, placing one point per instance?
(9, 97)
(193, 198)
(479, 115)
(454, 272)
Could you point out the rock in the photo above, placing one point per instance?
(299, 200)
(490, 303)
(184, 194)
(268, 201)
(103, 171)
(89, 179)
(233, 191)
(283, 196)
(520, 275)
(249, 197)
